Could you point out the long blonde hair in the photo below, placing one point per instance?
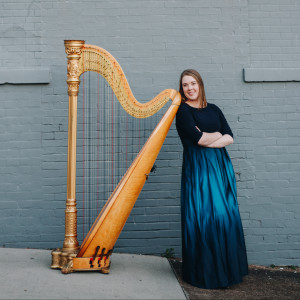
(197, 76)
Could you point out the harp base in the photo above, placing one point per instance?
(61, 258)
(69, 263)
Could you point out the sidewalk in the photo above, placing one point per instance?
(26, 274)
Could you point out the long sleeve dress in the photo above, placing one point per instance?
(213, 246)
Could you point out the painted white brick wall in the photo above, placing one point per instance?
(154, 41)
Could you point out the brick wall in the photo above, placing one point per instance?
(272, 221)
(154, 41)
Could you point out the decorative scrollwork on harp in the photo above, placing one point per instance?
(94, 252)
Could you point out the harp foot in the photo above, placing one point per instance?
(56, 259)
(68, 268)
(105, 270)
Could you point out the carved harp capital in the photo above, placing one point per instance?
(74, 47)
(74, 50)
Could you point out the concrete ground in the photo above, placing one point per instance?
(26, 274)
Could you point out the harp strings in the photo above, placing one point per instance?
(108, 140)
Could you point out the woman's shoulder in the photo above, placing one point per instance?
(183, 107)
(214, 107)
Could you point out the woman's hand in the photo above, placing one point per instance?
(208, 138)
(214, 139)
(225, 140)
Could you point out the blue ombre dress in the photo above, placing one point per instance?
(213, 246)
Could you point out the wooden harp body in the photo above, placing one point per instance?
(94, 252)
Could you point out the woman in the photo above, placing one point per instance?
(213, 246)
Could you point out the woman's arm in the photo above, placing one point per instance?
(225, 140)
(209, 138)
(186, 127)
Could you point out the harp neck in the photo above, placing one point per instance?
(83, 57)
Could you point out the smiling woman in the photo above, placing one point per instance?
(191, 90)
(213, 246)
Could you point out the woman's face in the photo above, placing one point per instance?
(190, 88)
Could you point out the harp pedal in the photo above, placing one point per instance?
(100, 258)
(91, 262)
(92, 259)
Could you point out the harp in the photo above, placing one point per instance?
(97, 246)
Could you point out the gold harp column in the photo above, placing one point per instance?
(73, 50)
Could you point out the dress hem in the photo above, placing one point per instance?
(217, 287)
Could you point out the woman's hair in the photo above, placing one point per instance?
(197, 76)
